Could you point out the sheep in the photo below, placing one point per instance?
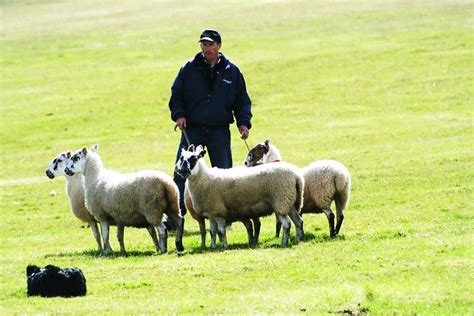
(240, 193)
(134, 199)
(252, 234)
(325, 181)
(75, 193)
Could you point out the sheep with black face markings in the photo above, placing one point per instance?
(75, 193)
(134, 199)
(253, 229)
(242, 193)
(325, 181)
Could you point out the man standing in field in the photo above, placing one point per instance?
(207, 94)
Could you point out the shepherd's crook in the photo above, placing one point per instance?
(184, 133)
(248, 148)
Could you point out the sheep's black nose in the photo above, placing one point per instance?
(49, 174)
(183, 173)
(68, 172)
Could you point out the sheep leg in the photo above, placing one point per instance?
(277, 226)
(330, 216)
(202, 230)
(256, 226)
(213, 232)
(221, 232)
(151, 230)
(120, 232)
(286, 224)
(339, 223)
(163, 235)
(179, 221)
(105, 237)
(95, 231)
(340, 215)
(298, 221)
(248, 225)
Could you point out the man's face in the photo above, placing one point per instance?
(210, 50)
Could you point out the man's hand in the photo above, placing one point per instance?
(244, 131)
(181, 123)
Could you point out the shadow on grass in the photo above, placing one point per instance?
(272, 242)
(316, 239)
(266, 243)
(219, 248)
(96, 254)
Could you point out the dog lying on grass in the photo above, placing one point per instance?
(53, 281)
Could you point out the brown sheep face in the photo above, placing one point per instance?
(255, 155)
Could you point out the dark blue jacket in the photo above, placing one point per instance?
(216, 106)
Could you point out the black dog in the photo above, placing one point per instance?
(53, 281)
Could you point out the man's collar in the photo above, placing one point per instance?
(208, 63)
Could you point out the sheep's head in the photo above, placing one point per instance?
(255, 155)
(76, 162)
(57, 165)
(188, 159)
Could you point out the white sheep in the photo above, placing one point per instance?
(325, 181)
(253, 229)
(75, 193)
(239, 193)
(134, 199)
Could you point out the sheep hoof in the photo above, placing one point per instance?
(179, 246)
(107, 252)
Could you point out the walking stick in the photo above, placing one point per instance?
(184, 133)
(248, 148)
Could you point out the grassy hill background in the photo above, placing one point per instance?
(385, 87)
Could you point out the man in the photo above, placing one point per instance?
(207, 94)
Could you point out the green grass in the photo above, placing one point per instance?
(385, 87)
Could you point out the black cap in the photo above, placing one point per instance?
(211, 36)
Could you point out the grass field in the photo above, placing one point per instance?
(386, 87)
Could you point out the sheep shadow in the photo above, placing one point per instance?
(308, 237)
(219, 248)
(316, 239)
(271, 242)
(97, 254)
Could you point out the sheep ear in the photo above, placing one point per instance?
(95, 148)
(68, 154)
(191, 147)
(267, 145)
(200, 151)
(84, 150)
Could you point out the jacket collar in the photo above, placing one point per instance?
(199, 62)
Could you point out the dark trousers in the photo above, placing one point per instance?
(217, 143)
